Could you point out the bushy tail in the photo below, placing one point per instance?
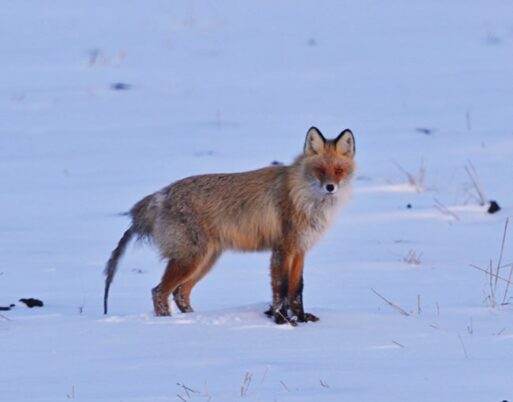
(143, 215)
(112, 264)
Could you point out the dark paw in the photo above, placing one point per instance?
(280, 316)
(281, 319)
(310, 317)
(162, 313)
(185, 308)
(305, 317)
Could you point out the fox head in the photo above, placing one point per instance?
(328, 164)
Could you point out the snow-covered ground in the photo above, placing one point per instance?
(219, 86)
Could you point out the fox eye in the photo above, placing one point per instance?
(339, 170)
(321, 171)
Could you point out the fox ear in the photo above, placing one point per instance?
(314, 143)
(345, 144)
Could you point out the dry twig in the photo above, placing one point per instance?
(394, 306)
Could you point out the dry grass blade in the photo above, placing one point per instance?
(394, 306)
(417, 183)
(72, 394)
(245, 384)
(470, 327)
(500, 332)
(471, 171)
(463, 346)
(468, 119)
(508, 282)
(412, 258)
(265, 375)
(444, 210)
(324, 384)
(502, 250)
(494, 275)
(493, 299)
(488, 273)
(187, 390)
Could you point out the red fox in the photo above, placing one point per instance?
(284, 209)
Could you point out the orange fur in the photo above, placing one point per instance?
(280, 208)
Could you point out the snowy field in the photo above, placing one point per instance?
(102, 103)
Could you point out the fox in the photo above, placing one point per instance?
(283, 209)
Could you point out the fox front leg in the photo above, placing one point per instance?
(280, 263)
(295, 291)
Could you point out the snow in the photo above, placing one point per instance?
(231, 86)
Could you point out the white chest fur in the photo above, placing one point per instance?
(321, 212)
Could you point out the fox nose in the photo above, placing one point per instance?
(330, 188)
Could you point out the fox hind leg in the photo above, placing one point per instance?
(177, 272)
(181, 296)
(160, 303)
(182, 293)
